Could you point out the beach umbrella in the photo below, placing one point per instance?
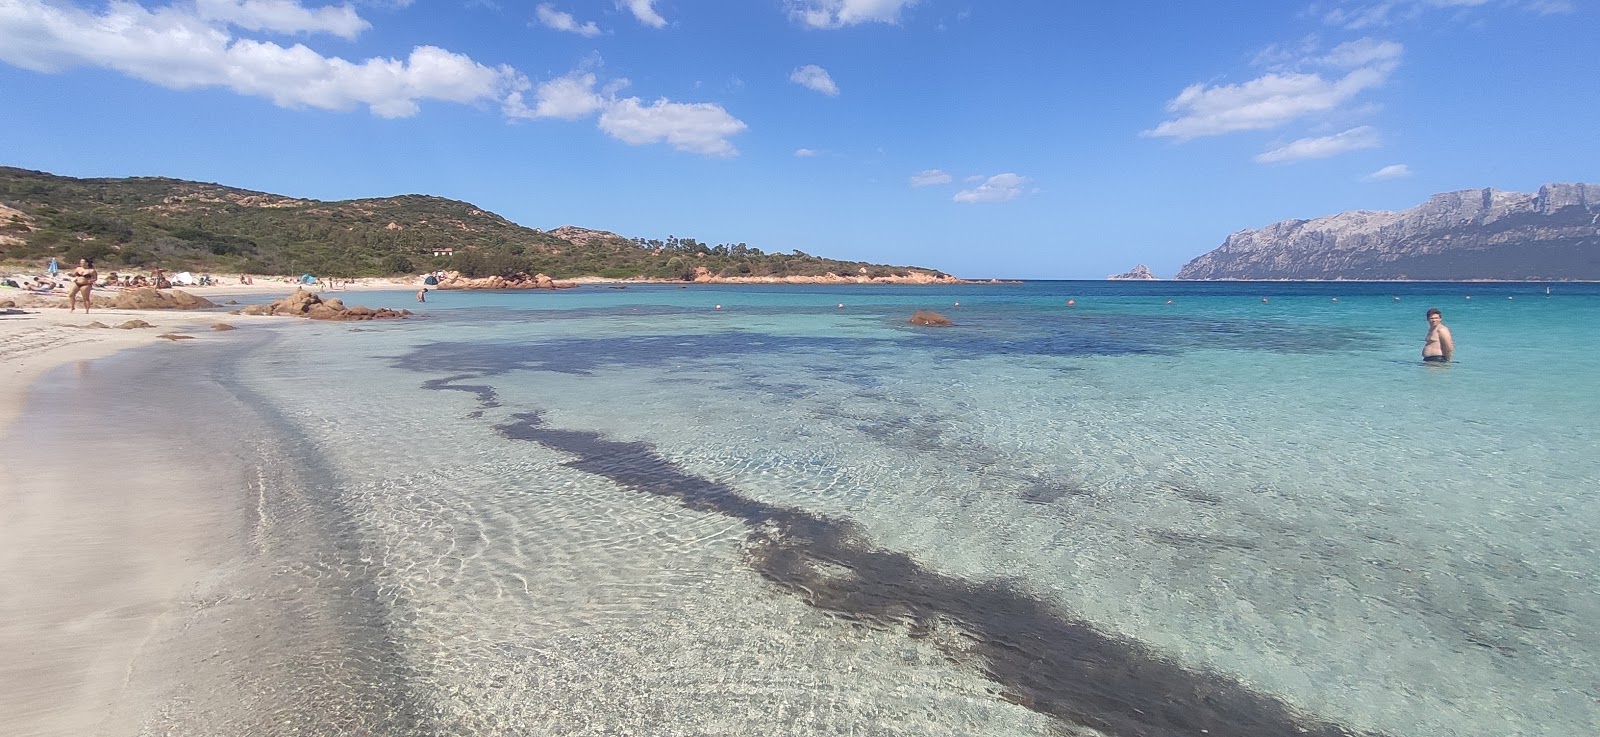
(307, 279)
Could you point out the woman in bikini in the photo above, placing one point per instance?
(83, 279)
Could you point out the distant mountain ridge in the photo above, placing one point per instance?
(1553, 234)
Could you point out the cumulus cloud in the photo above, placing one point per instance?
(568, 98)
(183, 47)
(701, 128)
(1322, 147)
(841, 13)
(815, 78)
(549, 17)
(1392, 171)
(998, 188)
(804, 153)
(1273, 99)
(177, 48)
(929, 177)
(644, 11)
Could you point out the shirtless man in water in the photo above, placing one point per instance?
(1438, 346)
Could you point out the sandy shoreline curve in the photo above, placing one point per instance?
(43, 338)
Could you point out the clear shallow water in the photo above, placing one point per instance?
(606, 511)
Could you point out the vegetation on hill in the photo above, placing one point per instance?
(181, 225)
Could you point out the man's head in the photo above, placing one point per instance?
(1434, 315)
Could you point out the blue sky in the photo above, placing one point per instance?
(1010, 139)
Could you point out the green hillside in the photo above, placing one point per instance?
(195, 226)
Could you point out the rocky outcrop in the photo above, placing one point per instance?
(455, 280)
(152, 299)
(1553, 234)
(1140, 272)
(582, 237)
(929, 319)
(306, 304)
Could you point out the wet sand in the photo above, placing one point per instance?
(165, 566)
(107, 535)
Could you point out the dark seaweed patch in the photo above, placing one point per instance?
(1008, 334)
(1043, 658)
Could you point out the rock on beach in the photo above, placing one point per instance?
(306, 304)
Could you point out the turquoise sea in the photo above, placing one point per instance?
(1169, 509)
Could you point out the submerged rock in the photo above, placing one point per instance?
(175, 336)
(223, 326)
(132, 324)
(930, 319)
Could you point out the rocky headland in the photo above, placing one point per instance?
(1487, 234)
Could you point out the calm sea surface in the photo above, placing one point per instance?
(1170, 509)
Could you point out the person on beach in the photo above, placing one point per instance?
(1438, 346)
(83, 279)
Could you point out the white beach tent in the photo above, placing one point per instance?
(183, 277)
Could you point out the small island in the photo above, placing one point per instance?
(1137, 273)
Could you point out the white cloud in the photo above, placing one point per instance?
(998, 188)
(1323, 147)
(283, 16)
(177, 48)
(1273, 99)
(930, 177)
(1364, 14)
(1552, 7)
(561, 21)
(568, 98)
(804, 153)
(1364, 52)
(701, 128)
(841, 13)
(1393, 171)
(644, 11)
(814, 78)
